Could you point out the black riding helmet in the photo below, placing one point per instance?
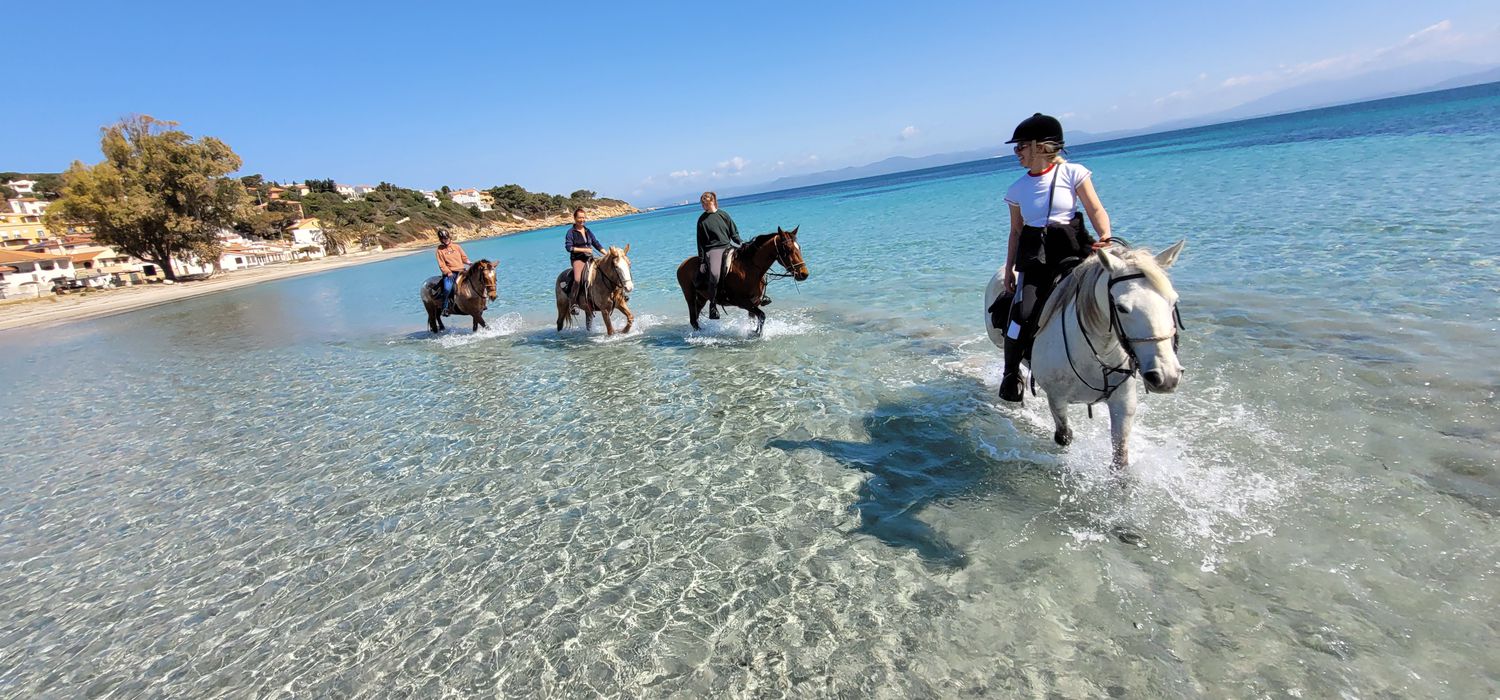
(442, 234)
(1038, 127)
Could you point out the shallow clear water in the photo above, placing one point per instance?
(292, 489)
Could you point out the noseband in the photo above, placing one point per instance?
(781, 258)
(1117, 329)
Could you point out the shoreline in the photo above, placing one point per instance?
(53, 310)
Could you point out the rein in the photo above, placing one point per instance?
(1132, 363)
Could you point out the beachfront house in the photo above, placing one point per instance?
(307, 239)
(469, 198)
(24, 274)
(22, 186)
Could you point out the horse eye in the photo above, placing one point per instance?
(1121, 308)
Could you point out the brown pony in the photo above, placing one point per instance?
(744, 282)
(609, 287)
(469, 295)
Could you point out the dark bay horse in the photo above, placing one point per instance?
(609, 283)
(472, 292)
(744, 282)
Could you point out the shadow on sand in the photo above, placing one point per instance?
(919, 452)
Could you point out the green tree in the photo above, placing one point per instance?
(7, 193)
(158, 192)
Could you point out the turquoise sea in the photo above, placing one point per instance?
(293, 490)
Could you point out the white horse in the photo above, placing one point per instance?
(1111, 318)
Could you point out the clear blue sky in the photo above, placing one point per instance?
(648, 101)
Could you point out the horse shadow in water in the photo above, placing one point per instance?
(917, 454)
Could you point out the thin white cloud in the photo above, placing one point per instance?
(1437, 40)
(910, 133)
(684, 174)
(735, 164)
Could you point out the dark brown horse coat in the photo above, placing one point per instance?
(744, 283)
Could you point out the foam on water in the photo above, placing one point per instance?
(458, 334)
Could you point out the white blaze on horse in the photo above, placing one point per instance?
(1112, 318)
(472, 292)
(606, 289)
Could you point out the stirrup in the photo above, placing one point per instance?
(713, 312)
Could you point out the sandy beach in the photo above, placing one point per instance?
(52, 310)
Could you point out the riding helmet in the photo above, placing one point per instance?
(1038, 127)
(443, 234)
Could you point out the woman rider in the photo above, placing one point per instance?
(717, 233)
(1047, 237)
(581, 245)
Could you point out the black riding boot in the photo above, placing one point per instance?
(447, 304)
(1011, 388)
(713, 300)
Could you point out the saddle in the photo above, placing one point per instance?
(701, 279)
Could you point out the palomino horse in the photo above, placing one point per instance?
(469, 295)
(609, 283)
(1111, 318)
(744, 282)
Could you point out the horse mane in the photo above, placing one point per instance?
(1087, 275)
(754, 245)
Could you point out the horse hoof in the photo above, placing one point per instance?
(1063, 437)
(1130, 537)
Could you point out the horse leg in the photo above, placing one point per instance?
(629, 317)
(609, 326)
(1063, 433)
(1121, 416)
(588, 318)
(695, 307)
(760, 320)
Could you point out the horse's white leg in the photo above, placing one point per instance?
(1121, 416)
(1062, 434)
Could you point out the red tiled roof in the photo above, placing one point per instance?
(13, 256)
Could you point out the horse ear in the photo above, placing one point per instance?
(794, 231)
(1105, 259)
(1169, 256)
(778, 230)
(627, 249)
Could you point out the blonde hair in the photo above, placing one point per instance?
(1052, 151)
(709, 197)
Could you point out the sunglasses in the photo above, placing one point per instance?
(1021, 147)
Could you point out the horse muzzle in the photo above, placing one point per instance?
(1159, 382)
(801, 275)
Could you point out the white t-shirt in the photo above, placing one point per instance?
(1030, 193)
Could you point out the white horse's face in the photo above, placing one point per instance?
(1145, 313)
(622, 268)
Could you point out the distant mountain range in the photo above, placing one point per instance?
(1375, 85)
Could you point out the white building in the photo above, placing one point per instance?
(22, 186)
(469, 198)
(307, 239)
(345, 191)
(431, 197)
(28, 205)
(25, 274)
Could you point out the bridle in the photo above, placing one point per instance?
(781, 257)
(1132, 363)
(482, 281)
(617, 281)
